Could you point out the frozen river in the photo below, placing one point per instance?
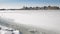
(47, 19)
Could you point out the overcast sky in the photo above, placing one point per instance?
(20, 3)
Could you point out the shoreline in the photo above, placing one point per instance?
(27, 9)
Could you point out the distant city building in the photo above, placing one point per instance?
(36, 8)
(41, 8)
(53, 7)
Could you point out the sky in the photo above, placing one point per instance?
(21, 3)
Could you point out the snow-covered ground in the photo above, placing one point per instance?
(45, 19)
(6, 30)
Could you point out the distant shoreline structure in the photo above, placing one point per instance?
(37, 8)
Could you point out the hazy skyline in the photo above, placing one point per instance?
(21, 3)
